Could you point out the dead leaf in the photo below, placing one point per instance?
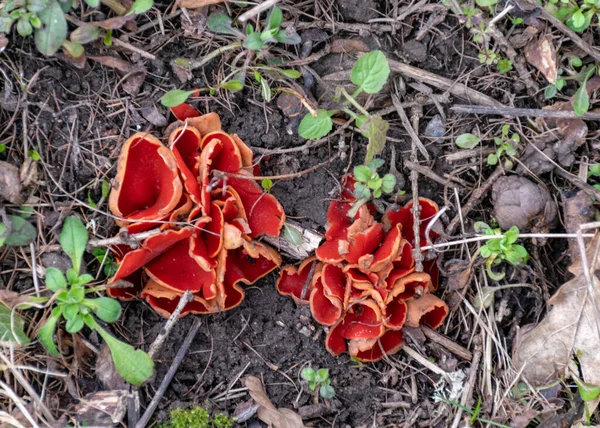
(573, 132)
(244, 411)
(78, 62)
(195, 4)
(267, 412)
(519, 40)
(135, 75)
(112, 23)
(102, 408)
(10, 184)
(3, 42)
(12, 298)
(578, 208)
(542, 55)
(152, 115)
(194, 22)
(569, 330)
(106, 372)
(458, 272)
(348, 45)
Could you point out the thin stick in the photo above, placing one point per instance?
(451, 346)
(36, 282)
(430, 174)
(425, 362)
(257, 10)
(413, 134)
(169, 376)
(187, 297)
(523, 112)
(468, 390)
(130, 47)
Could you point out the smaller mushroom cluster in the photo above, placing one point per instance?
(200, 192)
(362, 281)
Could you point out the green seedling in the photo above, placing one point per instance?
(109, 264)
(253, 43)
(503, 248)
(594, 172)
(505, 147)
(47, 21)
(369, 185)
(577, 15)
(196, 418)
(369, 74)
(319, 382)
(473, 412)
(73, 304)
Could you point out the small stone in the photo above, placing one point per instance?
(305, 331)
(435, 128)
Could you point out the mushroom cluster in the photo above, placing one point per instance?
(362, 281)
(201, 193)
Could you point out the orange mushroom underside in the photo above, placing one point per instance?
(208, 219)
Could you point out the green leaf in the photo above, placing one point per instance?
(486, 3)
(312, 128)
(253, 42)
(74, 324)
(24, 28)
(322, 375)
(108, 38)
(375, 183)
(3, 229)
(266, 90)
(288, 37)
(175, 97)
(361, 191)
(388, 183)
(84, 279)
(135, 366)
(492, 159)
(511, 235)
(267, 184)
(74, 49)
(308, 374)
(8, 334)
(72, 276)
(220, 23)
(327, 391)
(36, 6)
(370, 72)
(23, 233)
(105, 308)
(34, 155)
(46, 333)
(362, 173)
(76, 294)
(268, 36)
(2, 146)
(485, 252)
(292, 74)
(375, 164)
(71, 310)
(578, 19)
(93, 3)
(576, 62)
(467, 141)
(550, 92)
(91, 202)
(85, 34)
(105, 188)
(275, 18)
(377, 129)
(560, 83)
(594, 170)
(232, 85)
(55, 280)
(50, 37)
(140, 6)
(73, 239)
(581, 100)
(588, 391)
(292, 235)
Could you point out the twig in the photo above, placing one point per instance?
(187, 297)
(36, 282)
(411, 131)
(468, 389)
(451, 346)
(474, 199)
(259, 8)
(169, 376)
(17, 400)
(523, 112)
(130, 47)
(425, 362)
(429, 173)
(579, 183)
(578, 41)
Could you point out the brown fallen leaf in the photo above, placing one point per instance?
(102, 408)
(569, 330)
(267, 412)
(12, 298)
(112, 23)
(542, 55)
(195, 4)
(348, 45)
(3, 42)
(135, 75)
(573, 132)
(10, 184)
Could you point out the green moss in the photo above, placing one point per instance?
(196, 418)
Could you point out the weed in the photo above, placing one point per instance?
(577, 15)
(594, 172)
(318, 380)
(505, 146)
(500, 249)
(196, 418)
(252, 40)
(369, 184)
(47, 21)
(369, 74)
(72, 304)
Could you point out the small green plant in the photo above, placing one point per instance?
(47, 21)
(369, 74)
(251, 40)
(505, 146)
(369, 184)
(504, 65)
(503, 248)
(594, 172)
(196, 418)
(319, 382)
(20, 233)
(71, 303)
(578, 15)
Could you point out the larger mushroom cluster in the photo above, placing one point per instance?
(362, 281)
(200, 192)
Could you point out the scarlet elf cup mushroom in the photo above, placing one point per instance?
(362, 281)
(215, 251)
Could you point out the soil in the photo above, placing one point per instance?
(81, 120)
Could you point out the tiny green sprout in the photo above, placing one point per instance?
(71, 303)
(503, 248)
(505, 146)
(34, 155)
(318, 381)
(2, 148)
(267, 184)
(369, 184)
(504, 65)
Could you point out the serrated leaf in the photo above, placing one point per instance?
(175, 97)
(50, 37)
(370, 72)
(312, 128)
(16, 333)
(55, 280)
(73, 239)
(377, 129)
(467, 141)
(22, 233)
